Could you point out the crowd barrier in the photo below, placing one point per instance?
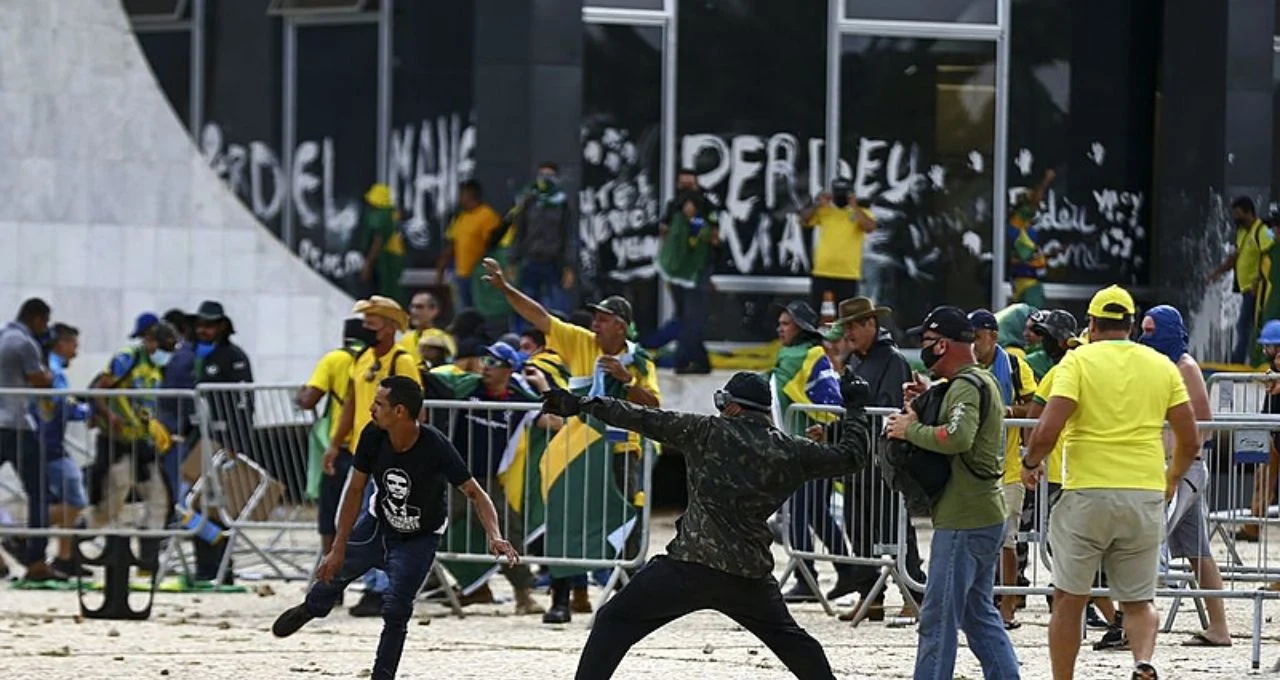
(1229, 455)
(594, 516)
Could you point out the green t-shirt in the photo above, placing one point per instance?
(969, 502)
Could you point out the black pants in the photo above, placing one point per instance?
(843, 289)
(666, 589)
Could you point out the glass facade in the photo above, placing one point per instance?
(915, 133)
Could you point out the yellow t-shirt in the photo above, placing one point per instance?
(838, 252)
(1123, 391)
(470, 232)
(577, 347)
(1252, 245)
(365, 380)
(410, 342)
(332, 376)
(1013, 440)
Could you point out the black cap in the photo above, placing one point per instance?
(615, 305)
(471, 347)
(750, 388)
(803, 315)
(1058, 324)
(949, 322)
(983, 320)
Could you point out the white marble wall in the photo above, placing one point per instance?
(108, 210)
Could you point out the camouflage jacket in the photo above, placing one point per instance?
(740, 471)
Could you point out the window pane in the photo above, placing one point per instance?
(335, 160)
(960, 11)
(621, 164)
(916, 137)
(626, 4)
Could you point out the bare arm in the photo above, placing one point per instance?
(1226, 266)
(1048, 429)
(308, 397)
(864, 219)
(525, 306)
(1193, 379)
(484, 508)
(41, 378)
(1183, 421)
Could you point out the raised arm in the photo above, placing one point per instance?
(850, 455)
(668, 427)
(525, 306)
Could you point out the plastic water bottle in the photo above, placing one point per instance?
(207, 530)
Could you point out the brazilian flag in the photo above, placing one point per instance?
(587, 515)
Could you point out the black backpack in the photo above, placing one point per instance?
(920, 475)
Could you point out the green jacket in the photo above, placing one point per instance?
(684, 255)
(969, 502)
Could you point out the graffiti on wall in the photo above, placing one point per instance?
(426, 162)
(618, 201)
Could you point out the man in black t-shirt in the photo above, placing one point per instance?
(412, 466)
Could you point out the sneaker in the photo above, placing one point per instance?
(370, 605)
(844, 586)
(800, 592)
(558, 614)
(1113, 640)
(291, 620)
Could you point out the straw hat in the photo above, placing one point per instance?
(384, 307)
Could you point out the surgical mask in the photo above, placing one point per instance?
(204, 349)
(161, 358)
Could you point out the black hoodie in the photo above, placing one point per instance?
(884, 368)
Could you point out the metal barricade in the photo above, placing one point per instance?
(859, 523)
(1234, 446)
(572, 496)
(82, 464)
(1246, 499)
(258, 452)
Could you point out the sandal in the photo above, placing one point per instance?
(1145, 671)
(1012, 625)
(1201, 640)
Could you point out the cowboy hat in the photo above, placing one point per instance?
(384, 307)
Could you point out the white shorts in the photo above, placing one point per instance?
(1014, 494)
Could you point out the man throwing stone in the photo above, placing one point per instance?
(740, 470)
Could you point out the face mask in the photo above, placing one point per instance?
(929, 356)
(204, 349)
(840, 200)
(547, 182)
(161, 358)
(362, 336)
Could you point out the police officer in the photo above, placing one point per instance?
(218, 360)
(741, 468)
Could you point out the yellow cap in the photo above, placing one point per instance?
(1082, 339)
(1113, 297)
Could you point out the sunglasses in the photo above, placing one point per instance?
(494, 362)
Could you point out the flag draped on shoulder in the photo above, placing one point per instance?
(587, 515)
(804, 375)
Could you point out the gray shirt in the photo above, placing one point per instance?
(20, 356)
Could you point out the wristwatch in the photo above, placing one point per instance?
(1029, 467)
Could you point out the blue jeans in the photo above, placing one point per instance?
(1244, 329)
(691, 306)
(375, 580)
(962, 573)
(21, 449)
(407, 562)
(541, 281)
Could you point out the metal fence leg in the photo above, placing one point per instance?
(812, 580)
(1173, 614)
(864, 606)
(1255, 659)
(617, 581)
(787, 573)
(450, 593)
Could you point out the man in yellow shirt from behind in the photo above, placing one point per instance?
(1110, 401)
(468, 238)
(842, 226)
